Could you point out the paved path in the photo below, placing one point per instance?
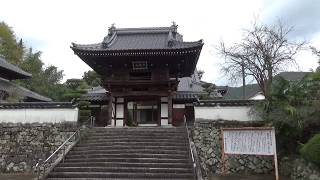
(16, 176)
(251, 177)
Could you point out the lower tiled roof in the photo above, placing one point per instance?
(37, 105)
(16, 72)
(12, 88)
(226, 102)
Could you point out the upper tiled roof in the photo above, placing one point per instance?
(10, 87)
(154, 38)
(9, 71)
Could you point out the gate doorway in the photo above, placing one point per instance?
(142, 113)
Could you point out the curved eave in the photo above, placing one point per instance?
(11, 72)
(138, 52)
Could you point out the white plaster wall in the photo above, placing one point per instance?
(119, 123)
(164, 122)
(177, 106)
(120, 111)
(257, 97)
(239, 113)
(164, 110)
(38, 115)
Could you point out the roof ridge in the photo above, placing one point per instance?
(143, 28)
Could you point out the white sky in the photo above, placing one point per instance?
(51, 26)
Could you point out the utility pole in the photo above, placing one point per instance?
(243, 81)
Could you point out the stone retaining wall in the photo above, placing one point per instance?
(207, 139)
(302, 170)
(299, 169)
(22, 145)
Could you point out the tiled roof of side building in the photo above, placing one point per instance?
(156, 38)
(10, 87)
(38, 105)
(10, 71)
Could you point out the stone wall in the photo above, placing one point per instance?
(299, 169)
(207, 139)
(303, 170)
(22, 145)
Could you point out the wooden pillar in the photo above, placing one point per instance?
(125, 112)
(110, 116)
(170, 108)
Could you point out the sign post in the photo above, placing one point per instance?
(250, 141)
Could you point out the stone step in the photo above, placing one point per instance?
(137, 160)
(154, 143)
(119, 147)
(113, 151)
(131, 136)
(133, 131)
(134, 139)
(139, 129)
(129, 155)
(124, 169)
(138, 133)
(118, 175)
(117, 179)
(126, 164)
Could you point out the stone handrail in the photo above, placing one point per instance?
(193, 152)
(40, 167)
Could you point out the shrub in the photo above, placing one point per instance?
(311, 150)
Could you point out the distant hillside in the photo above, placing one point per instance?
(253, 89)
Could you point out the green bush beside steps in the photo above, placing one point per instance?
(311, 150)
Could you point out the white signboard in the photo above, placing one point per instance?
(249, 141)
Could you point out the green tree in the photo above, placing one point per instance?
(45, 80)
(209, 88)
(75, 89)
(317, 53)
(92, 78)
(293, 110)
(9, 47)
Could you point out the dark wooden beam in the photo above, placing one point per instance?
(170, 107)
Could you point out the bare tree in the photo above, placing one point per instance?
(264, 51)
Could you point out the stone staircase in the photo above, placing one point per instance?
(129, 153)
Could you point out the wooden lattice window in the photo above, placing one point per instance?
(139, 65)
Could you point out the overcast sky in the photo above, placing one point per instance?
(51, 26)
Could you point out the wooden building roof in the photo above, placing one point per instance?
(11, 72)
(163, 44)
(154, 38)
(26, 94)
